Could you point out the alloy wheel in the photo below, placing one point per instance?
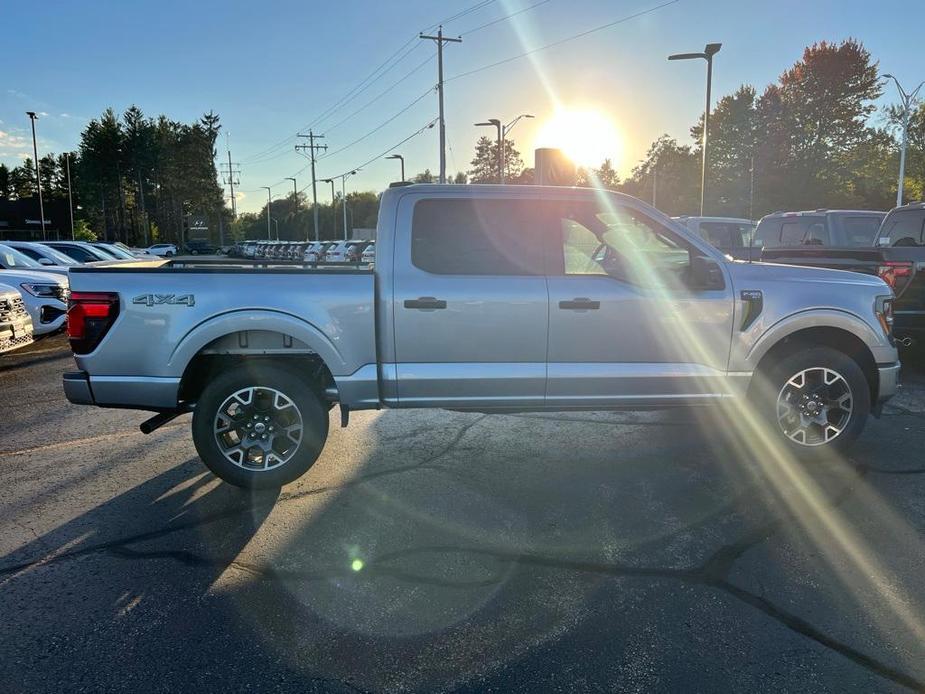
(258, 428)
(814, 406)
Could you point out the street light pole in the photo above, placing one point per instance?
(269, 200)
(70, 197)
(908, 101)
(402, 159)
(333, 204)
(343, 192)
(709, 51)
(38, 178)
(504, 133)
(495, 123)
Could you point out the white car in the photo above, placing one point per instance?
(45, 295)
(315, 251)
(15, 322)
(165, 250)
(45, 256)
(338, 252)
(369, 254)
(13, 259)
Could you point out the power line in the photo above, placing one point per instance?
(376, 74)
(417, 132)
(562, 41)
(383, 93)
(502, 19)
(378, 127)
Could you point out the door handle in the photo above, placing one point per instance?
(426, 303)
(580, 304)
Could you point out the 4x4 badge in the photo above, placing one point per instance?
(168, 299)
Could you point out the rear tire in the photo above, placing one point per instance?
(816, 401)
(260, 426)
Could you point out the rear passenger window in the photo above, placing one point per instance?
(905, 228)
(477, 237)
(861, 231)
(792, 233)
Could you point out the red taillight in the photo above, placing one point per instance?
(896, 274)
(89, 316)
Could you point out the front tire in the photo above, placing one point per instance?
(260, 426)
(816, 401)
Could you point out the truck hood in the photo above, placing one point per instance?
(16, 277)
(744, 272)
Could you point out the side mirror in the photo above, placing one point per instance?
(45, 261)
(706, 274)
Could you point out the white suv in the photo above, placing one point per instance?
(165, 250)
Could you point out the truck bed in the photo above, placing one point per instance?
(170, 311)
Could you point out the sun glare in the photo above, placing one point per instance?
(586, 136)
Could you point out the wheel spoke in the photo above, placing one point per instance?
(258, 428)
(814, 406)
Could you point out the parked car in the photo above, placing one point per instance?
(42, 254)
(14, 259)
(896, 254)
(15, 321)
(81, 251)
(369, 254)
(44, 294)
(166, 250)
(355, 251)
(732, 235)
(828, 228)
(114, 250)
(315, 253)
(337, 253)
(494, 299)
(248, 249)
(200, 247)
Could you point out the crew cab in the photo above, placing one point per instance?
(486, 298)
(895, 253)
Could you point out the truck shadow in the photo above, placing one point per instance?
(434, 550)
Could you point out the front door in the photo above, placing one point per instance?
(625, 328)
(471, 305)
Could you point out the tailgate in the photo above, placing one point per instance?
(865, 260)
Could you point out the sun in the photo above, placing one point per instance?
(587, 137)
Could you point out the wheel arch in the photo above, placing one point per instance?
(839, 339)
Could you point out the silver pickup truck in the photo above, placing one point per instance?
(490, 299)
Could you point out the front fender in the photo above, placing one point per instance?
(273, 321)
(753, 347)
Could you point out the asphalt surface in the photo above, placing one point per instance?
(438, 551)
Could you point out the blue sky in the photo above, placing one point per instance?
(269, 69)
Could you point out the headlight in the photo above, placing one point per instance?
(883, 307)
(49, 291)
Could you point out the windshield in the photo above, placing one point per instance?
(11, 258)
(116, 251)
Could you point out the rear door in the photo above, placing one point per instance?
(470, 302)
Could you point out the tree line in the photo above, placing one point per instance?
(134, 179)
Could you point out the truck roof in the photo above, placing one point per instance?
(822, 211)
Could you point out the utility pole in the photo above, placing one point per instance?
(440, 39)
(228, 177)
(269, 200)
(311, 147)
(70, 197)
(38, 178)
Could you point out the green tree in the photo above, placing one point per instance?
(83, 232)
(669, 177)
(424, 177)
(485, 162)
(6, 186)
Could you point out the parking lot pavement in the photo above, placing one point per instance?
(446, 551)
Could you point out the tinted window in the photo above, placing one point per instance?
(792, 232)
(905, 228)
(477, 237)
(861, 231)
(768, 233)
(724, 235)
(77, 253)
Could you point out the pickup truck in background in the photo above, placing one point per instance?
(488, 298)
(732, 235)
(895, 253)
